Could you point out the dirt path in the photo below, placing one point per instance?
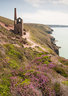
(6, 27)
(33, 44)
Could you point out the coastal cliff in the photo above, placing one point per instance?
(30, 65)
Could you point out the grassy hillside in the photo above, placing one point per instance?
(6, 21)
(26, 72)
(39, 34)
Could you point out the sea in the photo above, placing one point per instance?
(61, 36)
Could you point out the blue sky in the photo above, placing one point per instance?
(37, 11)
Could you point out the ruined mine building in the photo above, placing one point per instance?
(18, 24)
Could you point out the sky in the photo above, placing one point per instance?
(36, 11)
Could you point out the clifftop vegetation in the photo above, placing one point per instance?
(25, 71)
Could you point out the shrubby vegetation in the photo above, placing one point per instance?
(61, 71)
(25, 71)
(65, 83)
(64, 61)
(57, 89)
(23, 76)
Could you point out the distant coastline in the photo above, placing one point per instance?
(58, 25)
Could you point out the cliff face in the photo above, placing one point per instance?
(55, 47)
(27, 70)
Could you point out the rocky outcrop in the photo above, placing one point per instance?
(55, 47)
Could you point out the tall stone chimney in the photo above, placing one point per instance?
(15, 19)
(15, 14)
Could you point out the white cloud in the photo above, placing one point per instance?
(59, 1)
(37, 3)
(46, 17)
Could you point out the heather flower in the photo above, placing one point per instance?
(51, 65)
(23, 90)
(43, 55)
(45, 65)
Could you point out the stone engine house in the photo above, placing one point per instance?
(18, 24)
